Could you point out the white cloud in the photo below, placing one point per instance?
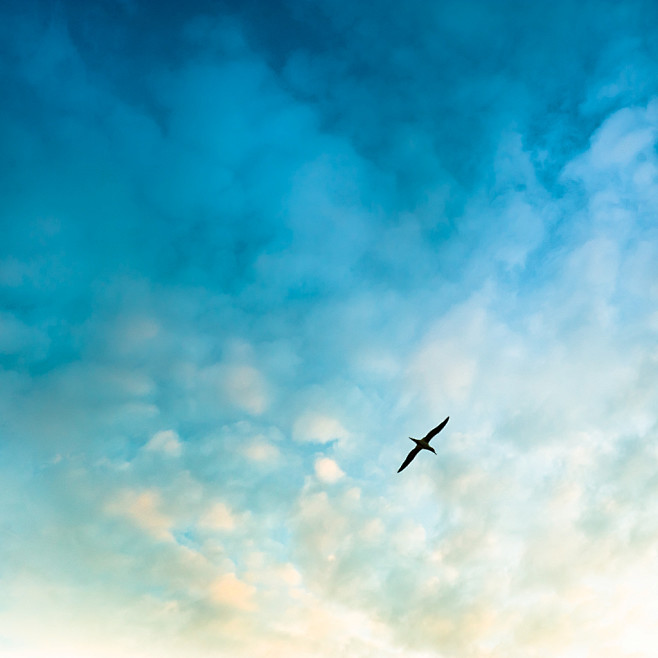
(144, 508)
(262, 451)
(373, 531)
(622, 138)
(166, 442)
(445, 365)
(289, 575)
(328, 470)
(410, 539)
(218, 517)
(318, 428)
(245, 387)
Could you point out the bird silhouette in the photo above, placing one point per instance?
(423, 444)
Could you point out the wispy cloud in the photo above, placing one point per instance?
(246, 252)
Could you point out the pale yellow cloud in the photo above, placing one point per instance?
(289, 575)
(144, 509)
(229, 590)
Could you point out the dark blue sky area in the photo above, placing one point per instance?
(453, 74)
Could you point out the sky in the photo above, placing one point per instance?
(248, 248)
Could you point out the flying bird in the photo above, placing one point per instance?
(423, 444)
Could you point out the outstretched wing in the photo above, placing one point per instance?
(436, 430)
(409, 458)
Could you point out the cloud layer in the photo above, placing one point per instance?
(246, 251)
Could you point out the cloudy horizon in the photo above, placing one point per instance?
(248, 248)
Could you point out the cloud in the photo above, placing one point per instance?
(538, 408)
(328, 470)
(296, 225)
(262, 451)
(167, 442)
(230, 591)
(144, 509)
(318, 428)
(218, 517)
(245, 387)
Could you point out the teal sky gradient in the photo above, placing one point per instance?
(248, 248)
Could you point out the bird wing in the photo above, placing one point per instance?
(436, 430)
(409, 458)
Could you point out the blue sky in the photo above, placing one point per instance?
(248, 248)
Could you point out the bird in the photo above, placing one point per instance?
(423, 444)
